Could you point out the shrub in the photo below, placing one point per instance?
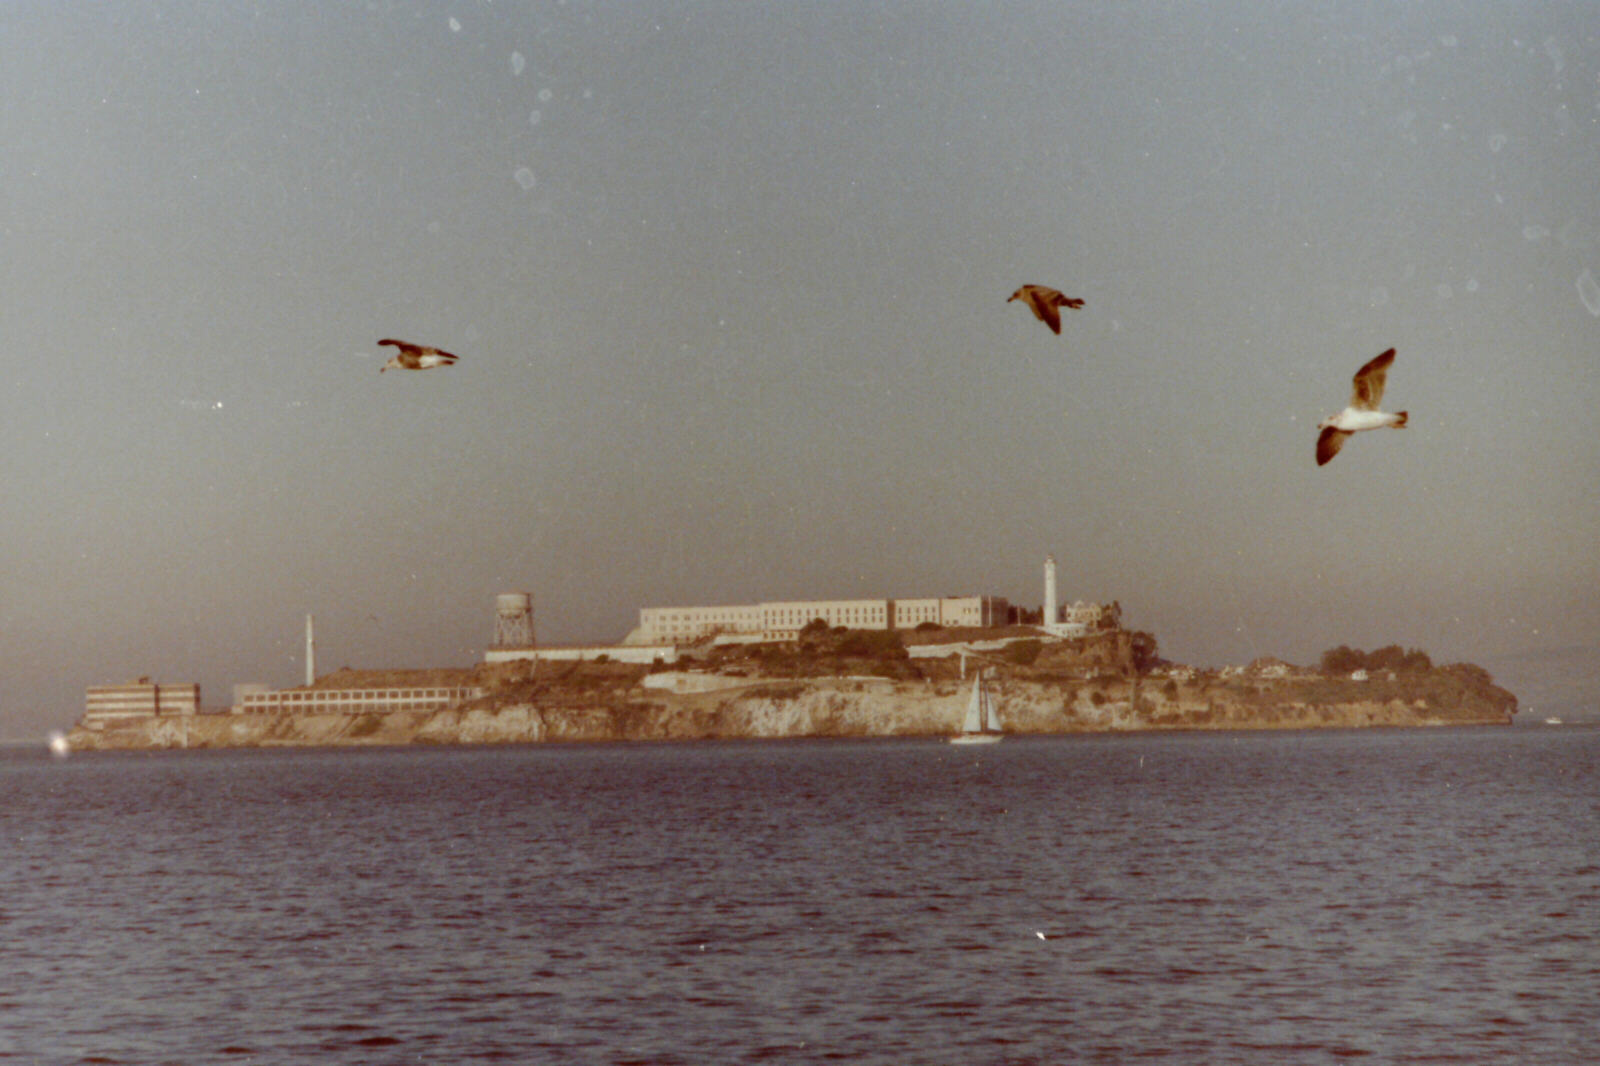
(1143, 650)
(1023, 652)
(871, 644)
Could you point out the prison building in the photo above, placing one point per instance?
(257, 699)
(783, 619)
(138, 699)
(677, 625)
(953, 612)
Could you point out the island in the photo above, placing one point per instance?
(831, 681)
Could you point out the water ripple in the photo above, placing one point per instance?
(1272, 899)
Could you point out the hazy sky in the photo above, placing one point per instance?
(728, 282)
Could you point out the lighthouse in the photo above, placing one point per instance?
(1050, 617)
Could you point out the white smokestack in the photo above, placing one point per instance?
(311, 653)
(1049, 590)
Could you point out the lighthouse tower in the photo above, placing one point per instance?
(1050, 617)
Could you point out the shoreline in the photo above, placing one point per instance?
(831, 683)
(776, 709)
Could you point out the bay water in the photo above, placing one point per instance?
(1428, 896)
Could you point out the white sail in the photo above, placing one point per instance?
(982, 722)
(974, 720)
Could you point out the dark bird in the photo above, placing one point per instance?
(1363, 411)
(415, 356)
(1044, 302)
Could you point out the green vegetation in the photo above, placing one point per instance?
(1022, 652)
(1345, 660)
(1145, 656)
(821, 650)
(818, 640)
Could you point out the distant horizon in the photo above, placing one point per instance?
(1588, 658)
(1585, 708)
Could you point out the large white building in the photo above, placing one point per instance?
(783, 619)
(662, 631)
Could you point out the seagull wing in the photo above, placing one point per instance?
(1369, 382)
(1044, 305)
(1329, 442)
(435, 357)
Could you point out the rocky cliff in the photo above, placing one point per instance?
(613, 703)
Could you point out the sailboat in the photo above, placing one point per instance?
(982, 724)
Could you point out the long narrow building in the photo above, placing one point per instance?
(783, 619)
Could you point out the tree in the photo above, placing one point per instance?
(871, 644)
(1143, 650)
(1342, 660)
(1416, 659)
(1388, 657)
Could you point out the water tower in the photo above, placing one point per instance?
(513, 620)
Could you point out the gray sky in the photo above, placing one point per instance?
(728, 282)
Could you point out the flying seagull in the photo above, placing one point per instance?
(1043, 302)
(1363, 411)
(415, 356)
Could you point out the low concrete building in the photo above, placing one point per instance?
(252, 699)
(645, 654)
(143, 698)
(1093, 615)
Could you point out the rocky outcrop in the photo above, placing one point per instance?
(729, 708)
